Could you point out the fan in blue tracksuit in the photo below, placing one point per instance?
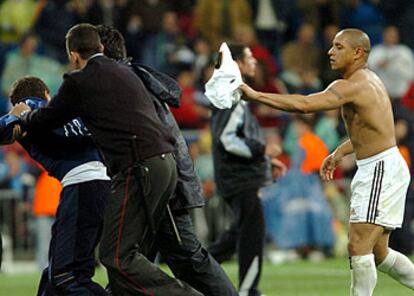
(69, 155)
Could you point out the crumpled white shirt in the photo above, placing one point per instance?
(222, 89)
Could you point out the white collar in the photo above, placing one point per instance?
(99, 54)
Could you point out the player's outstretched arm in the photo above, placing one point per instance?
(334, 96)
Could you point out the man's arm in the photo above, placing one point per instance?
(340, 92)
(330, 163)
(345, 148)
(235, 144)
(63, 107)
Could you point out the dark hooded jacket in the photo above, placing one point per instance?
(166, 93)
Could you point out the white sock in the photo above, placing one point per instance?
(399, 267)
(363, 275)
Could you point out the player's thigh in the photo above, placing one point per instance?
(363, 237)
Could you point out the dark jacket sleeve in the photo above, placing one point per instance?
(64, 106)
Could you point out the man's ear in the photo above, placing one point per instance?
(359, 52)
(47, 95)
(74, 56)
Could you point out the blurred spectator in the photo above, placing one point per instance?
(325, 129)
(108, 12)
(313, 148)
(400, 13)
(364, 15)
(54, 21)
(301, 62)
(134, 37)
(189, 115)
(242, 164)
(12, 170)
(297, 213)
(402, 239)
(25, 61)
(217, 20)
(203, 53)
(408, 99)
(319, 13)
(401, 132)
(246, 35)
(167, 49)
(16, 18)
(45, 203)
(150, 12)
(393, 62)
(266, 82)
(186, 16)
(405, 118)
(216, 216)
(327, 74)
(270, 18)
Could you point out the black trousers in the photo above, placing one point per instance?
(75, 235)
(246, 238)
(127, 237)
(189, 261)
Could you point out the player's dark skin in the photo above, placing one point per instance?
(367, 113)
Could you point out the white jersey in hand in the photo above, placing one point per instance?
(222, 89)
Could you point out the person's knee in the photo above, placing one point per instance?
(357, 247)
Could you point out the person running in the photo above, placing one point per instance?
(115, 107)
(176, 240)
(69, 155)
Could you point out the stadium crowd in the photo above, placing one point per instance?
(289, 40)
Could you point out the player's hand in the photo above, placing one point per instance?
(329, 165)
(17, 134)
(20, 109)
(249, 93)
(278, 168)
(273, 150)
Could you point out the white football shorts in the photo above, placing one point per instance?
(379, 189)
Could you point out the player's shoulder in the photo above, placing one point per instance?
(73, 74)
(347, 89)
(345, 86)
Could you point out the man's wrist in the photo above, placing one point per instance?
(258, 95)
(23, 113)
(338, 154)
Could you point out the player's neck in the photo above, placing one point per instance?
(354, 68)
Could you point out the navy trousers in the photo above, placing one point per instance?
(75, 234)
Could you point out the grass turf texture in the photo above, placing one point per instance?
(330, 277)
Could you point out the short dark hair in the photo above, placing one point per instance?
(83, 39)
(236, 50)
(28, 86)
(113, 42)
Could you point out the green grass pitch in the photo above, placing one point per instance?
(330, 277)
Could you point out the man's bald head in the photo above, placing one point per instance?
(357, 39)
